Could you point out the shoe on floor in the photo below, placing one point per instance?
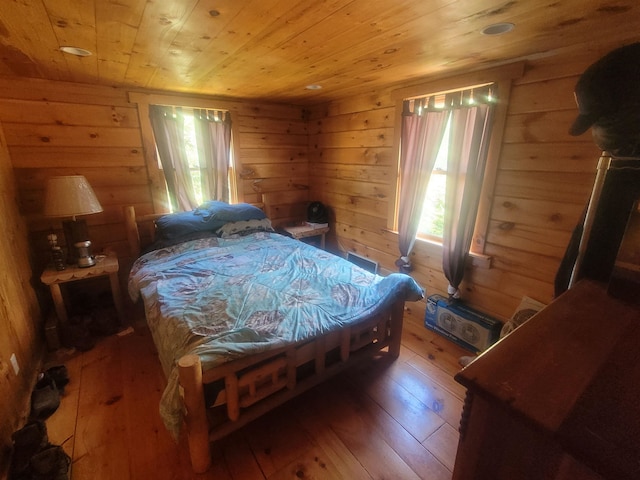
(60, 376)
(51, 463)
(26, 443)
(45, 398)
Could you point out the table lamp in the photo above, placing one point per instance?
(71, 196)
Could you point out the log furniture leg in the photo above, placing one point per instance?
(397, 314)
(190, 375)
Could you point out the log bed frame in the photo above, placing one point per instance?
(255, 385)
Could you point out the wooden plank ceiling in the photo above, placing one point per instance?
(273, 49)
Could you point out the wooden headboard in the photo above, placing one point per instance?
(146, 225)
(134, 225)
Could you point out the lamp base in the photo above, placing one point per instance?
(74, 231)
(85, 262)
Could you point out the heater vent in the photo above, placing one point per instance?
(363, 262)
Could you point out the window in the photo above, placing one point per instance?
(195, 153)
(448, 143)
(431, 225)
(196, 168)
(188, 149)
(444, 142)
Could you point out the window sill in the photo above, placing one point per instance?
(478, 260)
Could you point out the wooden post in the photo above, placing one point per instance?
(114, 281)
(397, 318)
(190, 375)
(381, 330)
(233, 396)
(320, 354)
(291, 368)
(345, 343)
(133, 236)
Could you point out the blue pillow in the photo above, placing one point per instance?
(209, 216)
(239, 212)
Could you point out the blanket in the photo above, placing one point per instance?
(226, 298)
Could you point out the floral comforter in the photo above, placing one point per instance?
(225, 298)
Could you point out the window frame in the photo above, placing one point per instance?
(158, 188)
(502, 77)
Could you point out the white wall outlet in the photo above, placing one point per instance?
(14, 363)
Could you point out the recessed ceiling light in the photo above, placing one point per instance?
(498, 28)
(79, 52)
(313, 87)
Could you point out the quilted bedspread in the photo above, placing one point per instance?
(225, 298)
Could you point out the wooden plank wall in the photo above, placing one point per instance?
(56, 128)
(273, 163)
(66, 129)
(19, 311)
(543, 183)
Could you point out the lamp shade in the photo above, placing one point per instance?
(68, 196)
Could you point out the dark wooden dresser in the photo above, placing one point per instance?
(559, 398)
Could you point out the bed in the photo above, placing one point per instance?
(245, 318)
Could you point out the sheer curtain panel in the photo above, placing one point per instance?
(468, 147)
(422, 132)
(213, 138)
(168, 129)
(469, 113)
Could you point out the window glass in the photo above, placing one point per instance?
(197, 173)
(432, 220)
(431, 213)
(192, 155)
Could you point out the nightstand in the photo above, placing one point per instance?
(105, 265)
(306, 231)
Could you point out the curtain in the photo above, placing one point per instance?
(422, 132)
(468, 147)
(168, 129)
(213, 139)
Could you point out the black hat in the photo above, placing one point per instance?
(607, 86)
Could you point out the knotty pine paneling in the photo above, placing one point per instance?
(569, 188)
(359, 156)
(273, 162)
(19, 310)
(56, 128)
(372, 119)
(37, 158)
(543, 182)
(554, 157)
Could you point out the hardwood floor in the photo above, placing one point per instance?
(380, 420)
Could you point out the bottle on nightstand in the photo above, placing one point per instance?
(57, 254)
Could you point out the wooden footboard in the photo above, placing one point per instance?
(255, 385)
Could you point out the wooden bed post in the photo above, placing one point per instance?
(190, 375)
(345, 343)
(233, 400)
(397, 316)
(133, 236)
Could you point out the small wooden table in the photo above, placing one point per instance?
(305, 231)
(105, 265)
